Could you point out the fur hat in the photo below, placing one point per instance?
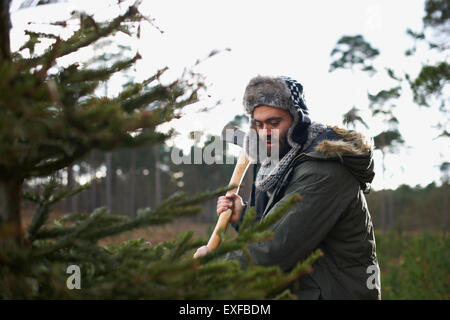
(284, 93)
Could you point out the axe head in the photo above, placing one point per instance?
(233, 134)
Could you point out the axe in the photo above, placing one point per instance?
(233, 135)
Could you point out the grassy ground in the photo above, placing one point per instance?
(168, 232)
(414, 266)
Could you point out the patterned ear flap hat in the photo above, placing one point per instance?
(284, 93)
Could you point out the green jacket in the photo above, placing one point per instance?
(331, 176)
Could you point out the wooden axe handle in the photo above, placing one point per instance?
(236, 179)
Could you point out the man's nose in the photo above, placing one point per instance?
(265, 131)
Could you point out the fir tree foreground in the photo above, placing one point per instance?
(50, 117)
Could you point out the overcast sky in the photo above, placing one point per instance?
(292, 38)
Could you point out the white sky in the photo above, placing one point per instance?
(292, 38)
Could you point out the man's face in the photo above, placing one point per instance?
(272, 125)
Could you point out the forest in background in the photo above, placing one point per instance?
(141, 177)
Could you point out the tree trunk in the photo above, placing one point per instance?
(157, 177)
(148, 191)
(10, 219)
(118, 206)
(93, 191)
(133, 184)
(71, 201)
(109, 175)
(94, 194)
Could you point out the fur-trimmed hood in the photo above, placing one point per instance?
(350, 148)
(350, 143)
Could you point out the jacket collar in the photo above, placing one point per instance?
(335, 144)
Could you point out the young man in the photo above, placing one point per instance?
(331, 168)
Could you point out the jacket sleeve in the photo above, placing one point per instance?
(325, 188)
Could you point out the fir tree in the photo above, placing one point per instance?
(50, 117)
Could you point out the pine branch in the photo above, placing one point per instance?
(248, 219)
(74, 43)
(136, 88)
(51, 166)
(40, 216)
(67, 240)
(157, 93)
(175, 206)
(277, 214)
(180, 199)
(49, 197)
(100, 74)
(301, 269)
(236, 244)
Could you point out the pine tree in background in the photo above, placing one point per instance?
(49, 118)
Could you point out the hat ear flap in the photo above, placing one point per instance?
(300, 132)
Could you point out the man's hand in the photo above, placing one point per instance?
(233, 202)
